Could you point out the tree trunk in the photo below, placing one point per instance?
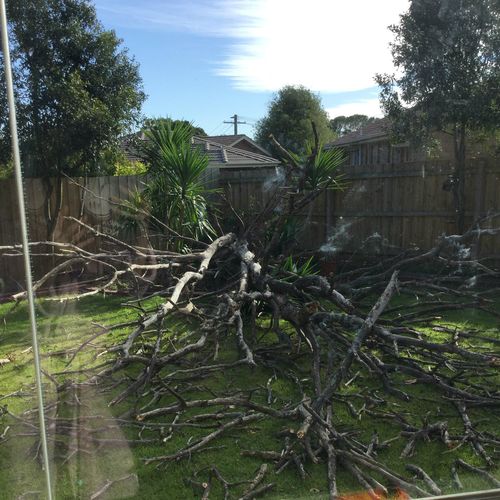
(459, 177)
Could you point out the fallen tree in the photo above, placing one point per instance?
(234, 288)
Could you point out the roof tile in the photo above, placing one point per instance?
(376, 129)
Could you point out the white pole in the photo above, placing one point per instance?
(24, 236)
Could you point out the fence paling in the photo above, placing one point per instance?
(405, 204)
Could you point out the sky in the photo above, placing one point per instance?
(206, 60)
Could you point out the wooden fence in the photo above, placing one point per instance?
(384, 208)
(408, 204)
(97, 209)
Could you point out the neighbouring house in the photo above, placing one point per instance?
(128, 145)
(372, 145)
(240, 141)
(224, 156)
(224, 151)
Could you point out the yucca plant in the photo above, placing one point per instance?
(131, 220)
(318, 166)
(298, 268)
(175, 189)
(322, 170)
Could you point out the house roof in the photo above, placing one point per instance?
(224, 156)
(219, 155)
(128, 145)
(227, 140)
(376, 130)
(234, 140)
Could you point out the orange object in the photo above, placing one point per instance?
(364, 495)
(401, 495)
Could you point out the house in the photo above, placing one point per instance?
(240, 141)
(225, 151)
(224, 156)
(372, 145)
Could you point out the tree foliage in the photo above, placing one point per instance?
(447, 55)
(77, 90)
(342, 125)
(124, 166)
(152, 122)
(289, 118)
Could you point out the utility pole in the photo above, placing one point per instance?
(235, 122)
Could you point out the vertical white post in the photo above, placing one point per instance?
(24, 236)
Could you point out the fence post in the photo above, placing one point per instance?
(479, 193)
(330, 193)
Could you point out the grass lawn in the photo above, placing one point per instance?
(105, 448)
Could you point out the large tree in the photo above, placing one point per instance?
(342, 125)
(77, 91)
(289, 118)
(447, 56)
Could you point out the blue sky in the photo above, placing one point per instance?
(204, 60)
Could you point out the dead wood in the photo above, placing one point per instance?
(466, 466)
(421, 474)
(324, 336)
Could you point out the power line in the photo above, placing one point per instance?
(249, 119)
(217, 127)
(226, 130)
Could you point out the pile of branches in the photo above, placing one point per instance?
(231, 289)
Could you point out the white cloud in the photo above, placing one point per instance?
(369, 107)
(325, 45)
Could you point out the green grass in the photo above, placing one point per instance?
(62, 325)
